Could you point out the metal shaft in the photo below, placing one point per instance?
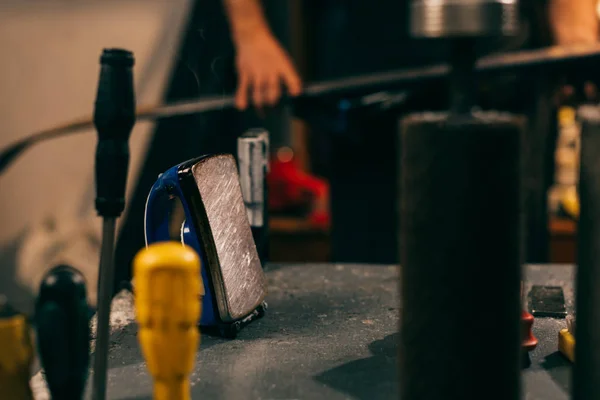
(548, 57)
(586, 371)
(105, 291)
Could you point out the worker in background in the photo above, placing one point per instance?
(261, 65)
(182, 48)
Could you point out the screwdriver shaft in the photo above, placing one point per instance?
(105, 291)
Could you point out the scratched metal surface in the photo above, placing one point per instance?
(330, 333)
(240, 279)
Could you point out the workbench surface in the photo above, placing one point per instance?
(330, 332)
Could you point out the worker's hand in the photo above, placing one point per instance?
(573, 21)
(263, 66)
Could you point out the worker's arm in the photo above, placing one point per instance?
(262, 64)
(573, 21)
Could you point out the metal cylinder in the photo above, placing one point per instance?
(586, 371)
(452, 18)
(461, 246)
(253, 160)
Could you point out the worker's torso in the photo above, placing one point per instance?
(362, 36)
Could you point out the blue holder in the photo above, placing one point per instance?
(158, 209)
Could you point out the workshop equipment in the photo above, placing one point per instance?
(168, 306)
(216, 226)
(547, 58)
(586, 371)
(62, 319)
(253, 162)
(16, 354)
(461, 219)
(114, 117)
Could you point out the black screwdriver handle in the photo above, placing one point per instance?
(114, 117)
(63, 332)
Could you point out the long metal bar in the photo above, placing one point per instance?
(387, 80)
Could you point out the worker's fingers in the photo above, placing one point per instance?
(273, 89)
(259, 90)
(241, 96)
(292, 81)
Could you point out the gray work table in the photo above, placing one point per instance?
(330, 332)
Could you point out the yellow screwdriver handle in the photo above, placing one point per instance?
(168, 292)
(16, 355)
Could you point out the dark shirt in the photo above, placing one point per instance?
(361, 36)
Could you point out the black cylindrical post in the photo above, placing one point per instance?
(586, 371)
(63, 332)
(461, 248)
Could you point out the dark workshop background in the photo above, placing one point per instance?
(332, 39)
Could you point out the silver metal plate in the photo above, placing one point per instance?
(253, 158)
(236, 271)
(451, 18)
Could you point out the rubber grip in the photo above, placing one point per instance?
(168, 307)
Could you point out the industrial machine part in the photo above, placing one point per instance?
(466, 18)
(461, 220)
(168, 306)
(62, 318)
(114, 117)
(253, 163)
(216, 226)
(16, 354)
(546, 58)
(586, 372)
(461, 208)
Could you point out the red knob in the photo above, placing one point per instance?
(529, 341)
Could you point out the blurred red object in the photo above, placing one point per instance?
(529, 342)
(293, 191)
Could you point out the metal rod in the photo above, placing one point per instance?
(463, 87)
(105, 292)
(374, 82)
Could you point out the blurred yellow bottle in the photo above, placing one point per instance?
(168, 292)
(570, 202)
(16, 355)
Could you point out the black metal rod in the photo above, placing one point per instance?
(463, 88)
(105, 290)
(586, 371)
(460, 258)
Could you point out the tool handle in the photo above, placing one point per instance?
(63, 332)
(16, 354)
(114, 117)
(156, 228)
(167, 301)
(157, 219)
